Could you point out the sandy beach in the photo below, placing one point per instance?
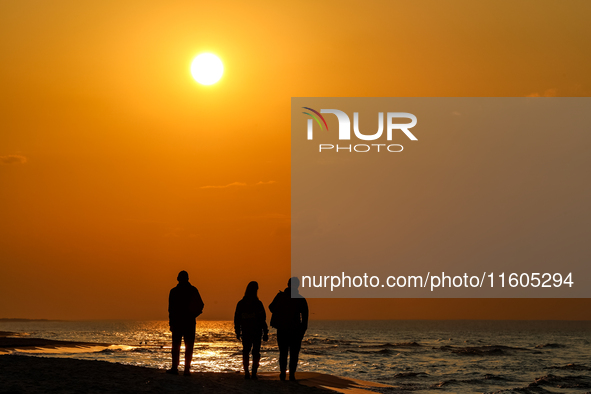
(30, 374)
(34, 374)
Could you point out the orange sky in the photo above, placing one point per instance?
(107, 145)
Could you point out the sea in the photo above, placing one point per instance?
(412, 356)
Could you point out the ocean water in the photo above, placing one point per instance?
(412, 356)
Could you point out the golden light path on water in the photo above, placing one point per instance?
(216, 348)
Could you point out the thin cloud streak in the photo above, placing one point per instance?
(236, 184)
(13, 159)
(224, 186)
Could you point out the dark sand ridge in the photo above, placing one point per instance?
(26, 374)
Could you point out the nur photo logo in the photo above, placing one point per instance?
(344, 130)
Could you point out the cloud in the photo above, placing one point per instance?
(224, 186)
(236, 184)
(13, 159)
(547, 93)
(574, 90)
(266, 216)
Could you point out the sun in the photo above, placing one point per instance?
(207, 68)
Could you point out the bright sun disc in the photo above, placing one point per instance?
(207, 68)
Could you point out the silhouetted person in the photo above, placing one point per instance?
(250, 324)
(184, 305)
(290, 318)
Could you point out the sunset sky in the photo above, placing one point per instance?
(117, 169)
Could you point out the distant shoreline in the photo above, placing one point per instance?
(22, 320)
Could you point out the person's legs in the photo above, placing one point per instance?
(295, 344)
(283, 344)
(176, 350)
(189, 335)
(246, 346)
(256, 355)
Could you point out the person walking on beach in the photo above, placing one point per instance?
(250, 324)
(290, 317)
(184, 305)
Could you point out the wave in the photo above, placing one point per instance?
(479, 350)
(563, 382)
(404, 375)
(550, 346)
(521, 390)
(392, 345)
(314, 352)
(129, 349)
(571, 367)
(327, 341)
(487, 378)
(550, 381)
(381, 351)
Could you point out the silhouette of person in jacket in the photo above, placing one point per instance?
(290, 318)
(250, 324)
(184, 305)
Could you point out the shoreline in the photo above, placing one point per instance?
(30, 374)
(15, 342)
